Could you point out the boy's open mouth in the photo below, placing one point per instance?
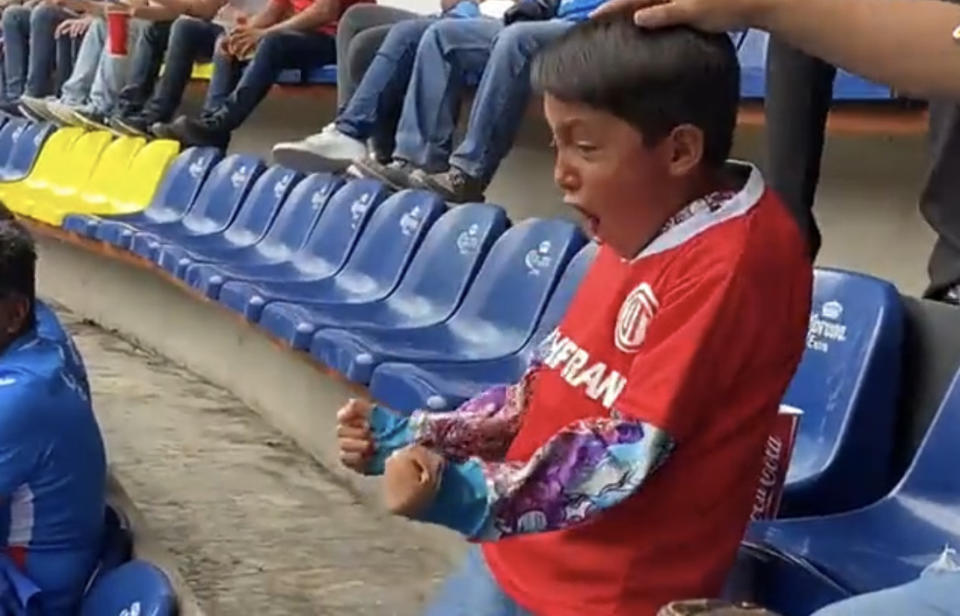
(590, 222)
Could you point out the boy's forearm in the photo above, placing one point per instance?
(155, 13)
(907, 44)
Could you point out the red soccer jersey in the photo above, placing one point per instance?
(699, 335)
(298, 6)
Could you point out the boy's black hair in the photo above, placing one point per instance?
(18, 259)
(653, 79)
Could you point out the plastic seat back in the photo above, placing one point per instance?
(53, 157)
(134, 588)
(847, 386)
(563, 294)
(222, 193)
(341, 223)
(516, 280)
(81, 159)
(12, 129)
(182, 183)
(261, 205)
(300, 211)
(144, 174)
(111, 172)
(449, 258)
(28, 141)
(390, 240)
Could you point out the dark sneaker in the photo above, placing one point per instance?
(135, 126)
(192, 132)
(11, 108)
(395, 174)
(454, 185)
(712, 607)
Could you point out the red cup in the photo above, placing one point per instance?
(118, 23)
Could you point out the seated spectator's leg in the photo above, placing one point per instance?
(112, 75)
(799, 92)
(275, 52)
(145, 67)
(938, 201)
(227, 71)
(360, 32)
(16, 45)
(450, 50)
(498, 108)
(76, 90)
(472, 591)
(64, 62)
(932, 595)
(44, 20)
(370, 112)
(190, 40)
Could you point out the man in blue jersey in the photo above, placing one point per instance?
(52, 460)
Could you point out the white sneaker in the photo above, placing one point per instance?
(35, 109)
(328, 150)
(63, 113)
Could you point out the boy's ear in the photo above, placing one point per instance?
(686, 149)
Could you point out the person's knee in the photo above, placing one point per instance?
(522, 40)
(354, 18)
(271, 47)
(15, 16)
(187, 28)
(46, 15)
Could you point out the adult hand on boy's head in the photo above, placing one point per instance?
(411, 480)
(353, 434)
(710, 15)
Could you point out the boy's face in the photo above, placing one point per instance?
(624, 190)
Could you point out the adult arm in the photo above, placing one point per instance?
(907, 44)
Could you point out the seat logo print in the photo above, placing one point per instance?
(133, 610)
(282, 185)
(634, 317)
(826, 326)
(196, 167)
(411, 220)
(358, 209)
(469, 241)
(239, 177)
(539, 259)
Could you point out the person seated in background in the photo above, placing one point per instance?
(31, 52)
(371, 113)
(92, 91)
(618, 474)
(450, 52)
(52, 459)
(150, 98)
(248, 60)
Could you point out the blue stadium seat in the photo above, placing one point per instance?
(27, 140)
(373, 270)
(180, 186)
(439, 386)
(256, 215)
(497, 317)
(432, 286)
(215, 208)
(326, 251)
(9, 134)
(136, 588)
(317, 75)
(848, 387)
(889, 542)
(289, 231)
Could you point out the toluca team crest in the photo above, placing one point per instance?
(635, 314)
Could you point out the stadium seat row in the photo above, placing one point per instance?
(426, 305)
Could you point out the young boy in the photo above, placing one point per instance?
(618, 474)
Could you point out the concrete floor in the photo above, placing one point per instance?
(866, 204)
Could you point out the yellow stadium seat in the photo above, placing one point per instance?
(144, 176)
(108, 180)
(50, 162)
(69, 179)
(202, 71)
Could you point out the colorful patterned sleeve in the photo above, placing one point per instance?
(589, 466)
(482, 427)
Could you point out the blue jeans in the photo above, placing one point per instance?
(236, 88)
(29, 49)
(191, 39)
(99, 76)
(145, 67)
(931, 595)
(472, 591)
(373, 110)
(449, 52)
